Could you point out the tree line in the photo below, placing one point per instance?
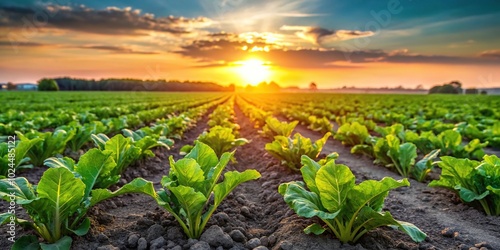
(454, 87)
(126, 84)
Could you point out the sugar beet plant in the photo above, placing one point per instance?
(348, 210)
(221, 140)
(192, 191)
(473, 181)
(290, 150)
(274, 128)
(50, 145)
(19, 156)
(58, 205)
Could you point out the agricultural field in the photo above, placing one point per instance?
(140, 170)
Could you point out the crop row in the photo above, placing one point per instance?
(111, 115)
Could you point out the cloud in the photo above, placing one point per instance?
(465, 44)
(322, 36)
(117, 49)
(22, 44)
(493, 54)
(222, 52)
(111, 20)
(299, 14)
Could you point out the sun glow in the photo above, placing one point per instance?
(253, 71)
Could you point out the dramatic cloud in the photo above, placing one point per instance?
(117, 49)
(223, 52)
(494, 54)
(322, 36)
(111, 20)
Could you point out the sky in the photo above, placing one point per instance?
(377, 43)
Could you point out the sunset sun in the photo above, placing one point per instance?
(253, 71)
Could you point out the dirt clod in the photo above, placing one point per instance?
(216, 237)
(200, 245)
(237, 236)
(253, 243)
(142, 244)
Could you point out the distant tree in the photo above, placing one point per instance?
(313, 86)
(46, 84)
(435, 90)
(232, 87)
(457, 85)
(11, 86)
(420, 86)
(471, 91)
(484, 92)
(454, 87)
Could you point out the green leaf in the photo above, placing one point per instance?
(138, 185)
(21, 189)
(213, 174)
(185, 149)
(65, 162)
(124, 152)
(303, 202)
(191, 201)
(423, 167)
(372, 193)
(23, 147)
(231, 180)
(204, 156)
(469, 195)
(95, 167)
(62, 244)
(414, 232)
(100, 140)
(83, 229)
(189, 173)
(315, 229)
(309, 170)
(61, 193)
(26, 242)
(371, 219)
(334, 183)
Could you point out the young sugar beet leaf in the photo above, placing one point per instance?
(193, 181)
(51, 144)
(147, 142)
(351, 134)
(19, 160)
(423, 167)
(82, 133)
(221, 140)
(290, 150)
(59, 203)
(473, 181)
(402, 155)
(380, 149)
(274, 127)
(124, 151)
(348, 210)
(322, 125)
(94, 157)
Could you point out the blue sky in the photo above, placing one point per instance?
(332, 35)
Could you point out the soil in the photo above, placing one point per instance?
(255, 216)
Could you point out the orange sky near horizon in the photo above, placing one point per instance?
(381, 74)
